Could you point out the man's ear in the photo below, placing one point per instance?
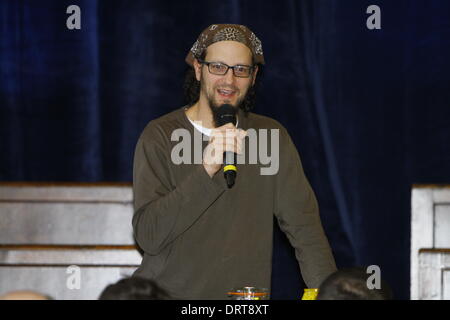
(255, 72)
(197, 69)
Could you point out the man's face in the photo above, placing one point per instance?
(227, 88)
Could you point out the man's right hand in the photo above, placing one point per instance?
(224, 138)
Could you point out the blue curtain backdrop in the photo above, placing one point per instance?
(368, 109)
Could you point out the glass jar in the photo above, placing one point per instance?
(249, 293)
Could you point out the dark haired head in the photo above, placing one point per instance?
(134, 288)
(351, 284)
(191, 87)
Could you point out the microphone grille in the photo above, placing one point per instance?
(226, 114)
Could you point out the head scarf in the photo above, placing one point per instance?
(226, 32)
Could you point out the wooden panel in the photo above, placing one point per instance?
(66, 192)
(66, 215)
(446, 284)
(52, 280)
(61, 255)
(430, 226)
(46, 228)
(441, 195)
(442, 226)
(45, 269)
(421, 224)
(66, 223)
(434, 280)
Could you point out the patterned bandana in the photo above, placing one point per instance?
(223, 32)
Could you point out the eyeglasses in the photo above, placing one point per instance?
(219, 68)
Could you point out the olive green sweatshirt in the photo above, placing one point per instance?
(200, 238)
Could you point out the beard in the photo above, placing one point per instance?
(214, 106)
(215, 109)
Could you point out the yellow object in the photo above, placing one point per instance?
(229, 167)
(310, 294)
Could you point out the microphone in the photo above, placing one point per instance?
(226, 113)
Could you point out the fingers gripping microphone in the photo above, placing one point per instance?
(226, 114)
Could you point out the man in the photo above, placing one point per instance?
(201, 238)
(134, 288)
(24, 295)
(352, 284)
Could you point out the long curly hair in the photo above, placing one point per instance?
(191, 87)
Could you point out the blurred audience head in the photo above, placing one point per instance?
(352, 284)
(134, 288)
(24, 295)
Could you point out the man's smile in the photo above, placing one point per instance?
(226, 93)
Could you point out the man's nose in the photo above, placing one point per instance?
(229, 76)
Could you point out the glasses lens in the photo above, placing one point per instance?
(217, 68)
(242, 71)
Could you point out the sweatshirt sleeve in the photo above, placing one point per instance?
(164, 209)
(297, 212)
